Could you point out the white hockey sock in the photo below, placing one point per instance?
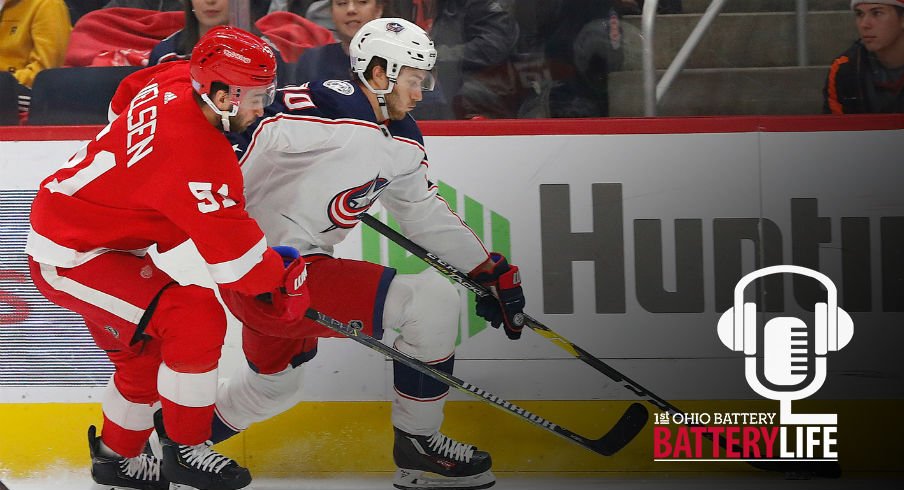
(249, 397)
(417, 417)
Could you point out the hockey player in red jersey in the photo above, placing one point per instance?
(161, 173)
(323, 154)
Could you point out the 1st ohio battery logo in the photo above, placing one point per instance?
(791, 366)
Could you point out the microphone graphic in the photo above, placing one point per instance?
(785, 359)
(793, 367)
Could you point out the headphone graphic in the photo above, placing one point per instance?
(833, 330)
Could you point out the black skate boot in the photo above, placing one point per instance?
(198, 466)
(115, 472)
(452, 464)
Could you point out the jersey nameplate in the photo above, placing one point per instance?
(142, 124)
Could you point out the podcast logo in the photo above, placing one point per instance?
(789, 363)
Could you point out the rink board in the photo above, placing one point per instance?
(646, 207)
(356, 437)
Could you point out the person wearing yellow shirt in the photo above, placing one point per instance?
(33, 36)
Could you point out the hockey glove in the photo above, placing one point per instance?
(277, 313)
(505, 307)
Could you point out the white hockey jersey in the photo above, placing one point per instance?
(319, 158)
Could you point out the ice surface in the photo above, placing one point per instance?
(79, 481)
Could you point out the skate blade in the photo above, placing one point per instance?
(416, 480)
(182, 486)
(99, 486)
(173, 486)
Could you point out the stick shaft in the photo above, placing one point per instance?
(451, 380)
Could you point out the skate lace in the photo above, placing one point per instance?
(451, 448)
(204, 458)
(141, 467)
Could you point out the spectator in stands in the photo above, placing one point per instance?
(475, 40)
(200, 17)
(33, 37)
(869, 76)
(565, 54)
(331, 60)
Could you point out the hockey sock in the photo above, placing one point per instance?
(219, 430)
(413, 384)
(417, 407)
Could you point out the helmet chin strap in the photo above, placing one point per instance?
(224, 118)
(381, 95)
(381, 100)
(224, 115)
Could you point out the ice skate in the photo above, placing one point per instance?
(113, 472)
(437, 461)
(198, 466)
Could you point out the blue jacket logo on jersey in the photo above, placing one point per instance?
(345, 206)
(340, 86)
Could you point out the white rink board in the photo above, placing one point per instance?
(664, 177)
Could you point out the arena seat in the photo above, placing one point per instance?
(71, 96)
(9, 109)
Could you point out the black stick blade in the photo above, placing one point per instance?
(624, 431)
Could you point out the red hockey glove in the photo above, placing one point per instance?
(278, 313)
(507, 306)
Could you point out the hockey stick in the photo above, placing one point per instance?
(610, 443)
(822, 469)
(481, 291)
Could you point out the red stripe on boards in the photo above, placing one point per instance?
(527, 127)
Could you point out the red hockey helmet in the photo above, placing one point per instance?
(236, 58)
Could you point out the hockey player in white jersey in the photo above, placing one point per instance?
(323, 154)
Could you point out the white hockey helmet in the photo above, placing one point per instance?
(399, 42)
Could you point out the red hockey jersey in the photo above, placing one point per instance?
(161, 174)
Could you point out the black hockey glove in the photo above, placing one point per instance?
(507, 306)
